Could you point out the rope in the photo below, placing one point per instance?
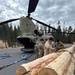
(26, 72)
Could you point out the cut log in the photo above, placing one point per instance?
(60, 65)
(35, 66)
(71, 68)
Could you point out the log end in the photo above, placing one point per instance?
(21, 70)
(47, 71)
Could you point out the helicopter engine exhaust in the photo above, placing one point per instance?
(39, 33)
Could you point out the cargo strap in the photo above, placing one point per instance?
(23, 57)
(4, 56)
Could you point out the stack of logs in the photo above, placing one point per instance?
(60, 63)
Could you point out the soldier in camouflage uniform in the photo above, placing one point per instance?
(39, 49)
(36, 51)
(48, 46)
(59, 45)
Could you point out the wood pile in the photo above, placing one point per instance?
(60, 63)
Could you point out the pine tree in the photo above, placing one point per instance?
(69, 37)
(49, 30)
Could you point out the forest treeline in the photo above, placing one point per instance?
(66, 35)
(8, 34)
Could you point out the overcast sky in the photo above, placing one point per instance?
(48, 11)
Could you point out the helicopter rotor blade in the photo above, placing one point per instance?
(32, 5)
(51, 27)
(45, 24)
(4, 22)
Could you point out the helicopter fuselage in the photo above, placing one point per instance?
(27, 37)
(29, 34)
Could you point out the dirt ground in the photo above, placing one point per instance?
(2, 44)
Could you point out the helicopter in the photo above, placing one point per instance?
(29, 32)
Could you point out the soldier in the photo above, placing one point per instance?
(45, 40)
(48, 46)
(59, 45)
(39, 49)
(36, 50)
(53, 46)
